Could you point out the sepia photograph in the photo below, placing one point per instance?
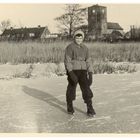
(70, 68)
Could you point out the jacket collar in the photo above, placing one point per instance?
(79, 46)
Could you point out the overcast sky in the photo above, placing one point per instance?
(31, 15)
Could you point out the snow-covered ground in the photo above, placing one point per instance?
(37, 105)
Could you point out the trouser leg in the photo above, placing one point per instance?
(86, 91)
(70, 95)
(71, 92)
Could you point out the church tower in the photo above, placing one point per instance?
(97, 21)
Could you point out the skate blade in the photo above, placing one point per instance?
(90, 115)
(70, 113)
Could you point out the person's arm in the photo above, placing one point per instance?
(68, 59)
(68, 64)
(89, 67)
(89, 62)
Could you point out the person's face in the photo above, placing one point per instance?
(79, 39)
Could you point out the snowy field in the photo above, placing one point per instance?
(37, 104)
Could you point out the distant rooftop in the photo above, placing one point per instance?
(37, 30)
(112, 25)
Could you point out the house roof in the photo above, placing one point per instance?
(112, 25)
(36, 30)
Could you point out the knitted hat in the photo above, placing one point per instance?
(78, 32)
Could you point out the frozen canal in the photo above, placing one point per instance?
(37, 105)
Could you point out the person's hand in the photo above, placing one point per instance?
(73, 77)
(90, 78)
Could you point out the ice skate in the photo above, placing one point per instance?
(90, 111)
(70, 109)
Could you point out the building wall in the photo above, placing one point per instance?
(135, 32)
(45, 33)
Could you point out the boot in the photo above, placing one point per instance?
(70, 109)
(90, 111)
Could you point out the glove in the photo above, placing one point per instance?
(73, 77)
(90, 78)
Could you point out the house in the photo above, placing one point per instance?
(18, 34)
(114, 32)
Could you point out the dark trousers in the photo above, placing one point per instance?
(83, 82)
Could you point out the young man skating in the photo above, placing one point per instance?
(79, 70)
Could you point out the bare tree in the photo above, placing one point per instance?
(5, 24)
(72, 18)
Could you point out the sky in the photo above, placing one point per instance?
(34, 14)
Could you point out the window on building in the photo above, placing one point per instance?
(93, 11)
(31, 34)
(103, 11)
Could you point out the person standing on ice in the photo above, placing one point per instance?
(79, 69)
